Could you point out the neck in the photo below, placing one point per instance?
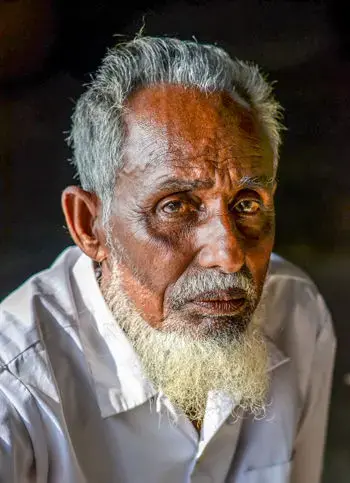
(197, 424)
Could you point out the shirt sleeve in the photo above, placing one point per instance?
(18, 423)
(310, 440)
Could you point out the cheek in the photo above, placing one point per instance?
(156, 263)
(149, 267)
(258, 258)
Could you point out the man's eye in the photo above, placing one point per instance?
(247, 207)
(173, 207)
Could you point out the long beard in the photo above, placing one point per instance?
(186, 369)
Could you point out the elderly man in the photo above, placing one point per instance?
(169, 346)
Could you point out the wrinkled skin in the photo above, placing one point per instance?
(195, 194)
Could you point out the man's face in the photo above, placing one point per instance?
(193, 215)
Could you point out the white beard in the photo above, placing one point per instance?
(185, 369)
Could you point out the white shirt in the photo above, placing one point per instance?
(76, 408)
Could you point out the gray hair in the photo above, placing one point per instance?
(97, 134)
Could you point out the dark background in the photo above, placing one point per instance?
(48, 50)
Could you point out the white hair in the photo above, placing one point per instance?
(97, 134)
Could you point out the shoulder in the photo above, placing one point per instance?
(299, 323)
(25, 368)
(46, 294)
(280, 267)
(36, 319)
(294, 304)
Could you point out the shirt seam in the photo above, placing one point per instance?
(6, 365)
(32, 399)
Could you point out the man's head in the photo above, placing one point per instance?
(176, 147)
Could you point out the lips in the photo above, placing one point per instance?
(227, 302)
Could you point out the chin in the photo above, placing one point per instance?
(205, 327)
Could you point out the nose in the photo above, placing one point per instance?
(221, 245)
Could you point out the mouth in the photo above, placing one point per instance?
(220, 303)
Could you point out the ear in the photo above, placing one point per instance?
(81, 210)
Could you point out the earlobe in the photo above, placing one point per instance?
(81, 211)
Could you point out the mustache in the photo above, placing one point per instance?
(201, 283)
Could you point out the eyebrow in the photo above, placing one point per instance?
(176, 184)
(251, 182)
(246, 182)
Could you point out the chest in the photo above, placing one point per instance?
(145, 446)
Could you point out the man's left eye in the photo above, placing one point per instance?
(247, 207)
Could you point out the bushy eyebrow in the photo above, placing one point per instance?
(255, 182)
(175, 184)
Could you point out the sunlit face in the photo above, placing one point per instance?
(193, 215)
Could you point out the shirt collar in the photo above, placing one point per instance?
(115, 368)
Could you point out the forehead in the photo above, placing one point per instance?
(188, 132)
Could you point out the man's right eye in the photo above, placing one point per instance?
(174, 206)
(177, 207)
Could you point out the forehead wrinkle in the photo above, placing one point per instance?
(203, 172)
(190, 164)
(154, 155)
(145, 128)
(204, 144)
(163, 155)
(155, 146)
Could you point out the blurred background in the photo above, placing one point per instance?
(48, 50)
